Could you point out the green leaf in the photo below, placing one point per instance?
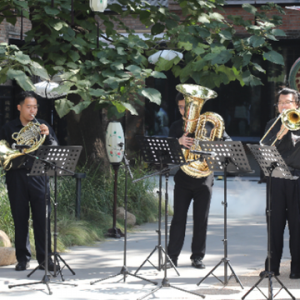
(250, 79)
(23, 81)
(271, 37)
(38, 70)
(274, 57)
(225, 34)
(256, 41)
(203, 18)
(51, 11)
(157, 28)
(129, 107)
(135, 70)
(222, 58)
(171, 24)
(63, 88)
(185, 45)
(198, 50)
(121, 51)
(249, 8)
(258, 67)
(22, 58)
(57, 25)
(152, 94)
(96, 92)
(278, 32)
(158, 75)
(74, 55)
(63, 106)
(82, 105)
(246, 59)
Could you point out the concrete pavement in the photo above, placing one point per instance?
(247, 249)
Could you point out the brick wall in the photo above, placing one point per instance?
(8, 31)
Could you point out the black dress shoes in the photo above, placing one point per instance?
(264, 274)
(295, 276)
(22, 266)
(197, 263)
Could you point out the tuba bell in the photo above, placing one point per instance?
(206, 127)
(29, 135)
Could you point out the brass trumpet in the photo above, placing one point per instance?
(290, 118)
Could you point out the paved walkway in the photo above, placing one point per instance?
(247, 244)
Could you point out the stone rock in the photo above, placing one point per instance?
(4, 239)
(131, 219)
(7, 256)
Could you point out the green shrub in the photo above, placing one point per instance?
(96, 205)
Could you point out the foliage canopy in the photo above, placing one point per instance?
(110, 70)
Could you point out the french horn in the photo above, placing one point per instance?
(29, 135)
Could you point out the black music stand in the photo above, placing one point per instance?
(272, 164)
(230, 158)
(124, 270)
(47, 160)
(162, 151)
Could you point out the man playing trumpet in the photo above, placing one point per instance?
(25, 191)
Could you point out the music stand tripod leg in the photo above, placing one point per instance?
(159, 246)
(165, 281)
(124, 271)
(269, 273)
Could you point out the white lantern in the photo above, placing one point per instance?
(98, 5)
(115, 142)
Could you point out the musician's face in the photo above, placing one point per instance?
(181, 106)
(28, 110)
(286, 102)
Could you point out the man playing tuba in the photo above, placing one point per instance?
(25, 191)
(186, 189)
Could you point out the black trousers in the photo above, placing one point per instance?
(285, 207)
(24, 192)
(186, 189)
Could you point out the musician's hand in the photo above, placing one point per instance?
(44, 129)
(282, 132)
(186, 141)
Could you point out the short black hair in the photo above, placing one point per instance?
(179, 97)
(26, 94)
(287, 91)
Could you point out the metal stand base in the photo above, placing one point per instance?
(270, 296)
(226, 280)
(165, 283)
(160, 249)
(57, 258)
(124, 271)
(45, 280)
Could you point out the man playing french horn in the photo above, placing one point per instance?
(23, 190)
(285, 194)
(187, 186)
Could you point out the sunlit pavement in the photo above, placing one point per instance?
(247, 249)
